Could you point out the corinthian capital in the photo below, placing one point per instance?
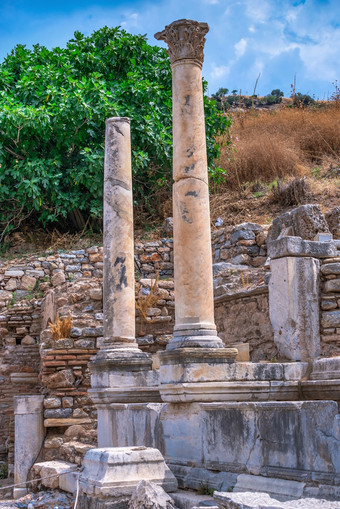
(185, 39)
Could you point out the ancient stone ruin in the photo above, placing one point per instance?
(231, 385)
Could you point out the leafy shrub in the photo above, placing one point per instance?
(53, 106)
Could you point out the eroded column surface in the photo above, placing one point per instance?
(194, 310)
(120, 371)
(118, 252)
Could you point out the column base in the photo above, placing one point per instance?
(195, 338)
(123, 375)
(185, 367)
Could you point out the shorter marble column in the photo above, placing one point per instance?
(121, 372)
(28, 438)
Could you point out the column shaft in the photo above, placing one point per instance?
(194, 299)
(119, 285)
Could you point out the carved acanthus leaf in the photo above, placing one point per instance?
(185, 39)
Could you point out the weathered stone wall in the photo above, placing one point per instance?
(242, 244)
(330, 307)
(243, 317)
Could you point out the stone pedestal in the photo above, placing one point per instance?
(29, 436)
(120, 371)
(111, 475)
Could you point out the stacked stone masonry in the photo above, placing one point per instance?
(330, 307)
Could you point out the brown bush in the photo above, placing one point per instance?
(295, 192)
(277, 144)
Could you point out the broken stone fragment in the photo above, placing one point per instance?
(149, 495)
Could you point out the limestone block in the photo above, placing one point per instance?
(330, 268)
(259, 500)
(254, 227)
(149, 495)
(115, 472)
(291, 440)
(308, 220)
(5, 295)
(242, 235)
(333, 285)
(28, 282)
(273, 486)
(96, 294)
(63, 378)
(11, 285)
(333, 220)
(295, 246)
(52, 469)
(58, 279)
(14, 273)
(330, 319)
(28, 340)
(294, 306)
(52, 402)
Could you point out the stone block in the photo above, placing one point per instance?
(254, 227)
(52, 402)
(96, 294)
(294, 306)
(28, 340)
(330, 319)
(308, 220)
(333, 220)
(63, 378)
(242, 235)
(112, 474)
(273, 486)
(330, 268)
(11, 285)
(58, 278)
(28, 282)
(333, 285)
(149, 495)
(260, 500)
(295, 246)
(58, 413)
(51, 471)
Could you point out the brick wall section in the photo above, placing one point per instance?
(19, 369)
(330, 307)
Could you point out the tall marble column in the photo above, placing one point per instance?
(194, 310)
(121, 372)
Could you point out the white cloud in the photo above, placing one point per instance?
(219, 71)
(240, 47)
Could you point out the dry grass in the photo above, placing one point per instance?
(61, 329)
(271, 145)
(145, 302)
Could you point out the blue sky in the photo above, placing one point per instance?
(277, 38)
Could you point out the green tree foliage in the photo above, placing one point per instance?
(301, 100)
(53, 106)
(220, 97)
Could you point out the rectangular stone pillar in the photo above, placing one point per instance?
(294, 295)
(28, 436)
